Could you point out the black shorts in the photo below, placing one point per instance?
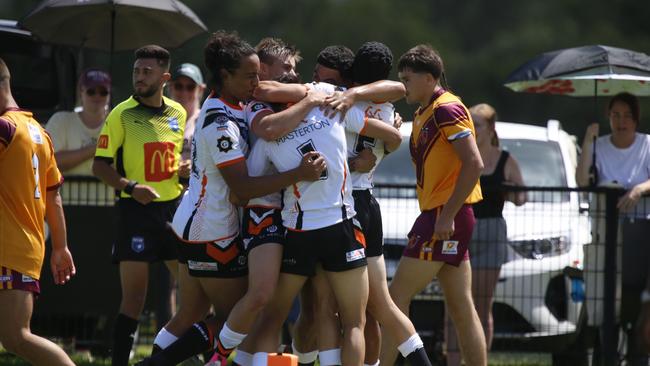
(223, 259)
(262, 225)
(369, 217)
(143, 232)
(338, 248)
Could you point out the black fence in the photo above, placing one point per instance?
(554, 263)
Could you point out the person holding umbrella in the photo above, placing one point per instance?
(623, 157)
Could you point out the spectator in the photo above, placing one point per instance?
(623, 157)
(28, 193)
(75, 134)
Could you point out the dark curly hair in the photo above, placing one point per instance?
(156, 52)
(339, 58)
(224, 50)
(372, 62)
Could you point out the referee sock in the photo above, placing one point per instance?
(196, 340)
(413, 350)
(123, 335)
(331, 357)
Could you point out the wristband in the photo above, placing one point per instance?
(645, 297)
(128, 188)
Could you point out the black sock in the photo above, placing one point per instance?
(123, 334)
(418, 358)
(155, 349)
(196, 340)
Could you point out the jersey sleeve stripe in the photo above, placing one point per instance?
(459, 135)
(365, 124)
(231, 162)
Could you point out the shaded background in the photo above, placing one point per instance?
(480, 41)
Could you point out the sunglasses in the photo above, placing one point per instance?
(187, 87)
(100, 91)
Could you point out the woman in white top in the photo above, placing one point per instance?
(74, 134)
(623, 158)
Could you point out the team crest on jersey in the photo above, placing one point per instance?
(450, 247)
(258, 107)
(35, 134)
(173, 124)
(224, 143)
(137, 244)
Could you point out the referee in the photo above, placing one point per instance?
(138, 152)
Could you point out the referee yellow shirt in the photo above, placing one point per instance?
(145, 144)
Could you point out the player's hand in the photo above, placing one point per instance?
(592, 131)
(339, 103)
(311, 166)
(315, 97)
(397, 123)
(444, 228)
(184, 168)
(630, 199)
(62, 265)
(364, 162)
(144, 194)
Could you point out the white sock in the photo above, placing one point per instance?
(164, 338)
(307, 357)
(330, 357)
(230, 339)
(374, 364)
(243, 358)
(410, 345)
(260, 359)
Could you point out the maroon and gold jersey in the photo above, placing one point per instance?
(437, 165)
(27, 171)
(145, 144)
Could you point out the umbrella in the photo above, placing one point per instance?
(584, 71)
(113, 25)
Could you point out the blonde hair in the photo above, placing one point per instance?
(489, 114)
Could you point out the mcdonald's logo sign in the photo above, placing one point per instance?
(159, 161)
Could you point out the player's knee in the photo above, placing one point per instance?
(259, 298)
(14, 341)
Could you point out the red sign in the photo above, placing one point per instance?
(159, 161)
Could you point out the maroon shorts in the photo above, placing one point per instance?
(14, 280)
(453, 251)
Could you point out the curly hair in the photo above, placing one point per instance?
(224, 50)
(372, 62)
(339, 58)
(156, 52)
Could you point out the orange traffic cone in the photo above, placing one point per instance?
(282, 359)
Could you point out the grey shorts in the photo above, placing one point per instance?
(488, 248)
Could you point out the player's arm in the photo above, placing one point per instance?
(270, 126)
(276, 92)
(246, 187)
(377, 129)
(60, 259)
(382, 90)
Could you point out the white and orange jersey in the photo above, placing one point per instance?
(258, 165)
(328, 201)
(220, 139)
(356, 142)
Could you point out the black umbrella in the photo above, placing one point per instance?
(113, 25)
(584, 71)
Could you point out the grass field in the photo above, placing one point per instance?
(496, 359)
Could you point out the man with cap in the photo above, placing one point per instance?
(187, 87)
(74, 134)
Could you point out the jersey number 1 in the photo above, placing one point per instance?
(308, 147)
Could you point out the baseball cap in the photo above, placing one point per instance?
(188, 70)
(92, 78)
